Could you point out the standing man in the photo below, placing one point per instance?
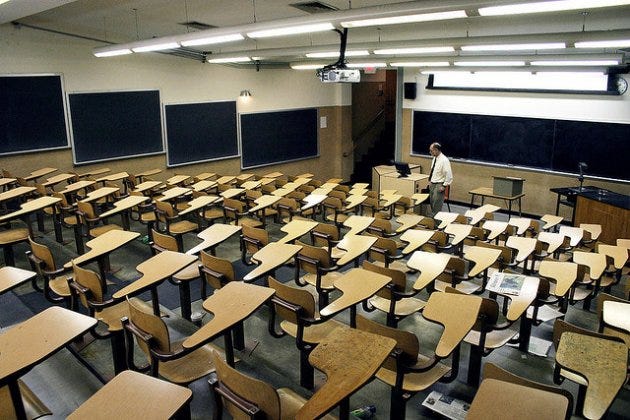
(440, 177)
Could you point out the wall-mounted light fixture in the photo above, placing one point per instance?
(245, 94)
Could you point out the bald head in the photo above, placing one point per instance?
(435, 149)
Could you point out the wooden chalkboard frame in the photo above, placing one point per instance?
(60, 123)
(173, 160)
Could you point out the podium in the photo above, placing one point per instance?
(378, 172)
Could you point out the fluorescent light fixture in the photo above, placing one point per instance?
(156, 47)
(113, 53)
(313, 66)
(581, 81)
(292, 30)
(334, 54)
(414, 50)
(619, 43)
(575, 63)
(365, 65)
(420, 64)
(515, 47)
(229, 60)
(213, 40)
(489, 63)
(4, 1)
(425, 17)
(549, 6)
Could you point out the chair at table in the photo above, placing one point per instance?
(90, 220)
(251, 196)
(167, 359)
(300, 319)
(394, 300)
(252, 240)
(321, 271)
(386, 252)
(335, 211)
(144, 213)
(407, 371)
(10, 237)
(326, 236)
(56, 289)
(216, 272)
(173, 224)
(606, 328)
(372, 207)
(505, 260)
(456, 276)
(563, 276)
(289, 208)
(235, 212)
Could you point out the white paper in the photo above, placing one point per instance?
(447, 406)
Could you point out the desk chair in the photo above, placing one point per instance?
(550, 222)
(386, 252)
(289, 208)
(252, 240)
(407, 371)
(456, 276)
(606, 328)
(321, 271)
(235, 212)
(90, 220)
(11, 237)
(173, 224)
(335, 211)
(562, 276)
(326, 236)
(56, 289)
(66, 217)
(33, 406)
(217, 272)
(271, 211)
(300, 319)
(144, 213)
(372, 207)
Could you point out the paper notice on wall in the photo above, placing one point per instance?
(323, 122)
(447, 406)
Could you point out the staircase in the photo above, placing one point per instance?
(379, 152)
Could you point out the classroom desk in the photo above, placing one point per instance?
(415, 238)
(150, 172)
(388, 200)
(100, 193)
(273, 175)
(594, 229)
(518, 308)
(146, 187)
(245, 177)
(295, 229)
(356, 285)
(329, 185)
(230, 306)
(154, 271)
(57, 179)
(497, 400)
(419, 198)
(213, 236)
(524, 247)
(322, 191)
(133, 395)
(358, 191)
(312, 200)
(458, 232)
(483, 258)
(173, 193)
(228, 179)
(5, 182)
(563, 273)
(33, 341)
(575, 234)
(484, 192)
(178, 179)
(478, 214)
(430, 266)
(349, 358)
(305, 175)
(39, 173)
(203, 185)
(123, 206)
(354, 200)
(408, 221)
(93, 172)
(355, 246)
(12, 277)
(357, 224)
(552, 239)
(617, 315)
(29, 207)
(199, 203)
(281, 192)
(551, 221)
(595, 262)
(494, 228)
(360, 185)
(15, 193)
(204, 175)
(619, 255)
(521, 224)
(75, 187)
(263, 202)
(603, 363)
(270, 257)
(113, 177)
(301, 181)
(251, 185)
(232, 192)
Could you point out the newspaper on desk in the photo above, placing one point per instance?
(506, 283)
(447, 406)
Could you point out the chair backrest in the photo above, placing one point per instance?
(343, 188)
(381, 227)
(330, 231)
(398, 278)
(382, 250)
(232, 207)
(257, 234)
(447, 192)
(370, 204)
(295, 296)
(164, 208)
(332, 203)
(150, 325)
(338, 194)
(308, 254)
(86, 209)
(164, 242)
(43, 253)
(220, 266)
(90, 280)
(406, 342)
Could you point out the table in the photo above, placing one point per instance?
(178, 179)
(575, 234)
(150, 172)
(617, 314)
(551, 221)
(29, 207)
(313, 200)
(484, 192)
(4, 182)
(495, 228)
(204, 175)
(521, 224)
(355, 246)
(230, 306)
(429, 265)
(273, 175)
(154, 271)
(122, 206)
(232, 192)
(173, 193)
(52, 181)
(458, 232)
(213, 236)
(100, 193)
(360, 185)
(357, 224)
(15, 193)
(93, 172)
(270, 257)
(349, 358)
(552, 239)
(419, 198)
(199, 203)
(77, 186)
(39, 173)
(295, 229)
(524, 247)
(415, 238)
(250, 185)
(476, 215)
(133, 395)
(147, 186)
(497, 399)
(563, 274)
(113, 177)
(244, 177)
(408, 221)
(354, 200)
(203, 185)
(602, 362)
(305, 175)
(483, 258)
(263, 202)
(358, 191)
(11, 277)
(594, 229)
(228, 179)
(445, 218)
(33, 341)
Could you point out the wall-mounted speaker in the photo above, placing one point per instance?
(410, 90)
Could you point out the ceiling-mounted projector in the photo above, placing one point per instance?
(332, 75)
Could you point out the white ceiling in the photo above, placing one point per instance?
(123, 21)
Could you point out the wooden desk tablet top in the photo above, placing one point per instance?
(497, 400)
(360, 185)
(245, 177)
(349, 358)
(305, 175)
(33, 340)
(213, 235)
(594, 261)
(357, 224)
(524, 246)
(99, 193)
(39, 173)
(281, 192)
(11, 277)
(301, 181)
(173, 193)
(550, 221)
(57, 179)
(552, 239)
(476, 215)
(156, 269)
(358, 191)
(149, 172)
(334, 181)
(495, 227)
(125, 204)
(295, 229)
(521, 223)
(408, 221)
(594, 229)
(575, 234)
(388, 200)
(251, 185)
(387, 192)
(270, 257)
(329, 185)
(113, 177)
(458, 231)
(228, 179)
(429, 264)
(354, 200)
(291, 186)
(519, 303)
(103, 244)
(445, 218)
(178, 179)
(356, 286)
(482, 257)
(624, 243)
(203, 185)
(7, 181)
(93, 172)
(15, 193)
(313, 200)
(619, 254)
(355, 246)
(76, 186)
(415, 238)
(488, 192)
(273, 175)
(133, 395)
(199, 203)
(232, 192)
(602, 362)
(147, 186)
(419, 198)
(229, 305)
(617, 314)
(267, 181)
(321, 191)
(563, 273)
(205, 175)
(31, 206)
(264, 201)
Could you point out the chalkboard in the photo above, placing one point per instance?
(32, 114)
(537, 143)
(280, 136)
(200, 132)
(115, 125)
